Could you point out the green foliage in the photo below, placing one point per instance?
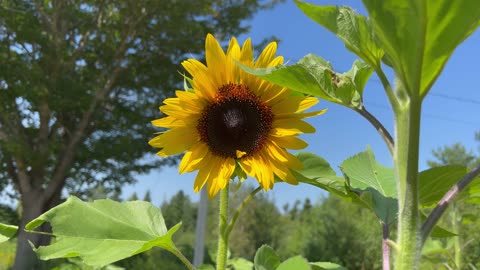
(353, 29)
(7, 231)
(375, 184)
(266, 259)
(326, 266)
(313, 75)
(435, 182)
(455, 154)
(103, 231)
(420, 36)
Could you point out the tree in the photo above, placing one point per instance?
(79, 83)
(455, 154)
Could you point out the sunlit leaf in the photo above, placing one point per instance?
(313, 75)
(103, 231)
(420, 36)
(295, 263)
(355, 30)
(7, 231)
(375, 183)
(435, 182)
(317, 172)
(326, 266)
(266, 259)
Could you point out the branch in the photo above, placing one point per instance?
(68, 153)
(448, 198)
(386, 136)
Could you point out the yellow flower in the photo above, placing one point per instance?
(234, 119)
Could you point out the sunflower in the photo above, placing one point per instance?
(233, 119)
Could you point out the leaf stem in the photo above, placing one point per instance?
(385, 247)
(407, 127)
(182, 258)
(388, 89)
(239, 210)
(222, 229)
(447, 199)
(386, 136)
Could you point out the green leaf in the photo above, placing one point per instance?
(420, 36)
(313, 75)
(206, 267)
(375, 184)
(240, 264)
(326, 266)
(317, 172)
(437, 230)
(103, 231)
(7, 231)
(295, 263)
(355, 30)
(266, 259)
(435, 182)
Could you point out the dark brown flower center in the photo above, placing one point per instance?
(237, 120)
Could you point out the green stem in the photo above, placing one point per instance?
(239, 210)
(222, 229)
(456, 230)
(182, 258)
(407, 127)
(378, 126)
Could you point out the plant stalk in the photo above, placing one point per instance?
(407, 131)
(378, 126)
(385, 247)
(239, 210)
(447, 199)
(222, 230)
(182, 258)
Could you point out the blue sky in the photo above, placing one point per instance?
(341, 132)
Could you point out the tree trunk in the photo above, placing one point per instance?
(33, 205)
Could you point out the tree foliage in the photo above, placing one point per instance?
(80, 80)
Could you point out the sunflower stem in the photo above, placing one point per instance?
(222, 230)
(407, 127)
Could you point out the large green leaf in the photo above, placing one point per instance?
(420, 36)
(266, 259)
(295, 263)
(7, 231)
(355, 30)
(317, 172)
(313, 75)
(326, 266)
(103, 231)
(435, 182)
(375, 184)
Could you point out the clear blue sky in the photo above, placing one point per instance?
(341, 132)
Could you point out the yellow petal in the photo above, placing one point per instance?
(168, 122)
(267, 55)
(233, 53)
(292, 126)
(289, 142)
(294, 104)
(215, 57)
(174, 141)
(192, 158)
(246, 56)
(299, 115)
(203, 84)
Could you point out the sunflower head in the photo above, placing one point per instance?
(234, 119)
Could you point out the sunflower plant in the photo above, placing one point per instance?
(239, 116)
